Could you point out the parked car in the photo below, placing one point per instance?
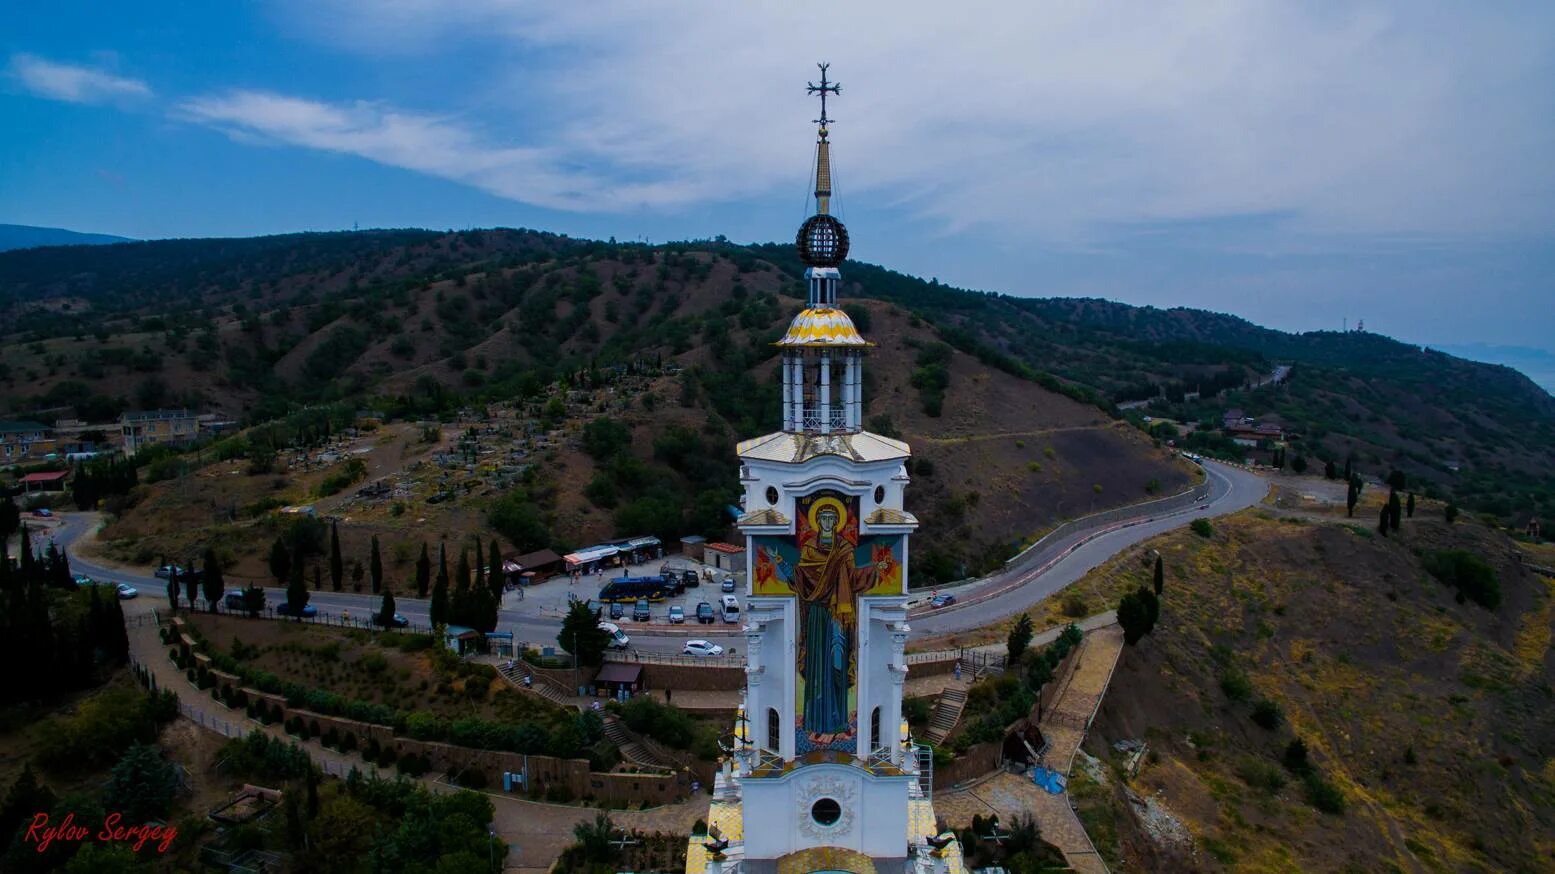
(677, 615)
(691, 579)
(942, 601)
(728, 584)
(641, 612)
(83, 580)
(126, 591)
(233, 600)
(705, 614)
(163, 571)
(702, 648)
(43, 512)
(617, 610)
(396, 621)
(308, 610)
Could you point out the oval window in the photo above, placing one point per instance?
(826, 811)
(880, 494)
(772, 495)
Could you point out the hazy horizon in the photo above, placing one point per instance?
(1301, 167)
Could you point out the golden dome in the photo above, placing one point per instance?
(822, 326)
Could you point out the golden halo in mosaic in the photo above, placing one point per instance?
(822, 326)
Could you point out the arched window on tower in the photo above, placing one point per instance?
(874, 728)
(774, 728)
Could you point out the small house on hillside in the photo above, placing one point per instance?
(44, 481)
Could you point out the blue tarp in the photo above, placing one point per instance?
(1052, 781)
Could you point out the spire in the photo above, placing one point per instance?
(822, 240)
(822, 145)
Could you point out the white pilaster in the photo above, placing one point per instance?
(825, 402)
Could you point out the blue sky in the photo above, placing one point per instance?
(1294, 163)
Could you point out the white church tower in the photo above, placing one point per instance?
(821, 775)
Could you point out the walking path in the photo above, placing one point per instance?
(535, 832)
(1063, 726)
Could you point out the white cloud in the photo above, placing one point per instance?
(1055, 121)
(436, 145)
(72, 83)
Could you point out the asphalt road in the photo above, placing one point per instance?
(1232, 489)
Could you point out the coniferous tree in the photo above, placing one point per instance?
(1409, 506)
(461, 606)
(318, 578)
(10, 518)
(1350, 498)
(191, 586)
(172, 589)
(213, 584)
(375, 562)
(1395, 511)
(1328, 470)
(280, 561)
(439, 608)
(1019, 638)
(1160, 575)
(494, 571)
(337, 568)
(1384, 521)
(1451, 513)
(1349, 468)
(423, 573)
(296, 589)
(386, 612)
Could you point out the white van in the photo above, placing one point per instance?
(731, 607)
(618, 639)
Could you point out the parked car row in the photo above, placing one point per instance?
(706, 614)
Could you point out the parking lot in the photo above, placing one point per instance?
(552, 598)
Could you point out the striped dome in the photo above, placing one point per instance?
(822, 326)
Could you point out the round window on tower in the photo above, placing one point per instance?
(880, 494)
(772, 496)
(826, 811)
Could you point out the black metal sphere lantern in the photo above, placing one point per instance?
(822, 241)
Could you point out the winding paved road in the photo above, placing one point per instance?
(1232, 489)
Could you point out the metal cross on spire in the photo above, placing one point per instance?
(823, 89)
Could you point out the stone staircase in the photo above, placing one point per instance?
(631, 750)
(947, 712)
(516, 672)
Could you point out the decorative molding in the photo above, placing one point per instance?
(844, 793)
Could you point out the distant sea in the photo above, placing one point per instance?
(1536, 364)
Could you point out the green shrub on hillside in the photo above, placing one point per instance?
(1468, 573)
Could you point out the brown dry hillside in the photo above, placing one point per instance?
(461, 332)
(1428, 718)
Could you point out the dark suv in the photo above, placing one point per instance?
(641, 612)
(705, 613)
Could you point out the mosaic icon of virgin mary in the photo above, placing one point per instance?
(827, 582)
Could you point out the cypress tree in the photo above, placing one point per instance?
(423, 572)
(462, 607)
(296, 589)
(494, 571)
(280, 561)
(1160, 575)
(439, 608)
(191, 587)
(375, 564)
(1385, 520)
(1409, 506)
(213, 583)
(386, 613)
(337, 568)
(1395, 511)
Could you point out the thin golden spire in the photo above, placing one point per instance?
(822, 146)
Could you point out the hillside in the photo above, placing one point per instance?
(604, 386)
(1425, 717)
(27, 236)
(422, 323)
